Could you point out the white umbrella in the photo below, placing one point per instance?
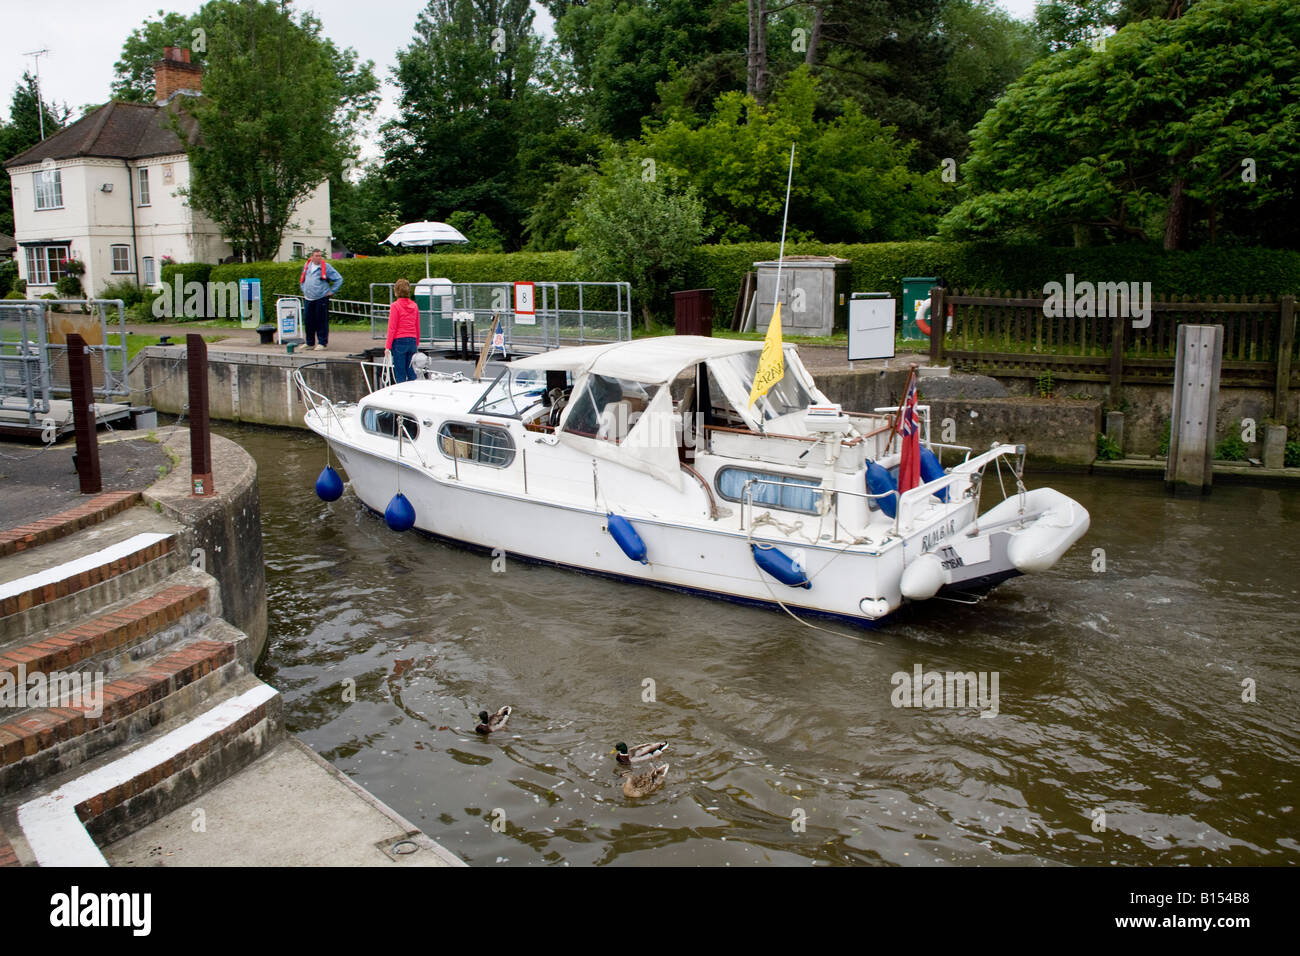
(424, 234)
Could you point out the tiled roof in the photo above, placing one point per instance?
(115, 131)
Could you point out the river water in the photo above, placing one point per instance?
(1121, 735)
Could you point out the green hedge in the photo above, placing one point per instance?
(188, 272)
(876, 267)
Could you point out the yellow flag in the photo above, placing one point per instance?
(771, 361)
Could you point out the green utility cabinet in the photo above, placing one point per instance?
(916, 289)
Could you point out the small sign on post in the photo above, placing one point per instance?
(288, 320)
(525, 303)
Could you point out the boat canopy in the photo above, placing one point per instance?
(621, 407)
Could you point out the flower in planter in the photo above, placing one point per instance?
(74, 267)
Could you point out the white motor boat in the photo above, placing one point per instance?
(645, 460)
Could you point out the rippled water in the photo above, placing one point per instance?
(1120, 693)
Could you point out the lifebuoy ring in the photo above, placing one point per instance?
(923, 315)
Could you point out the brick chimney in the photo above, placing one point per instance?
(175, 73)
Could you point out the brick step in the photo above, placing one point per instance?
(88, 513)
(112, 797)
(109, 641)
(59, 583)
(44, 742)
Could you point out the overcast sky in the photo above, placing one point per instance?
(85, 38)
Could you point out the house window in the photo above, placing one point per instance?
(297, 250)
(121, 258)
(49, 188)
(786, 492)
(45, 264)
(144, 186)
(150, 275)
(481, 444)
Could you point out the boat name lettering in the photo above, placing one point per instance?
(938, 534)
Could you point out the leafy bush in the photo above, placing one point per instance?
(1291, 458)
(15, 294)
(1231, 448)
(1107, 449)
(124, 289)
(69, 287)
(1164, 442)
(8, 276)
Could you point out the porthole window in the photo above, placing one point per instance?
(480, 444)
(787, 492)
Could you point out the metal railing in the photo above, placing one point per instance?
(33, 368)
(567, 313)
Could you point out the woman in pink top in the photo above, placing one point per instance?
(403, 331)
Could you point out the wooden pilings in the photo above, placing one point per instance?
(200, 433)
(1190, 468)
(83, 416)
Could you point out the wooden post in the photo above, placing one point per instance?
(83, 416)
(1117, 326)
(938, 324)
(200, 435)
(1285, 343)
(1190, 468)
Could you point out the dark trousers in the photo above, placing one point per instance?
(318, 321)
(403, 351)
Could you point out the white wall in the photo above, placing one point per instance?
(95, 220)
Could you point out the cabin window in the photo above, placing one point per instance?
(381, 421)
(607, 408)
(481, 444)
(786, 396)
(787, 492)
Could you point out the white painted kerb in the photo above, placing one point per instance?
(50, 824)
(71, 569)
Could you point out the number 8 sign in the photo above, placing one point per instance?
(525, 307)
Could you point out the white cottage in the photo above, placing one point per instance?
(106, 191)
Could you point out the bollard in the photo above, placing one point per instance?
(83, 416)
(1115, 429)
(200, 434)
(1190, 468)
(1274, 446)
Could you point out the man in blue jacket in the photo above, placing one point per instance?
(318, 282)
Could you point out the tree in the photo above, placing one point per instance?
(639, 230)
(133, 72)
(23, 131)
(851, 181)
(277, 117)
(467, 105)
(1185, 130)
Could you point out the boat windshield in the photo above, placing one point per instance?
(513, 393)
(786, 396)
(607, 408)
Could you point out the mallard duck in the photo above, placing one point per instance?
(637, 754)
(496, 721)
(645, 782)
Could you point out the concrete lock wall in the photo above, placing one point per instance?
(223, 530)
(242, 387)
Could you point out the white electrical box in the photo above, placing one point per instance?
(871, 326)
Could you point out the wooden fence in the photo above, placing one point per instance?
(1009, 334)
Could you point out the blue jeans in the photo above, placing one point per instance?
(403, 351)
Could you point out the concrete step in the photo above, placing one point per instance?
(45, 742)
(112, 796)
(129, 629)
(95, 510)
(79, 574)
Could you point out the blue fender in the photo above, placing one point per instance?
(879, 481)
(780, 565)
(329, 486)
(400, 513)
(931, 469)
(622, 531)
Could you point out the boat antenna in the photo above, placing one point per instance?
(773, 342)
(785, 218)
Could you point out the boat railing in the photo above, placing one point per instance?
(746, 499)
(321, 405)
